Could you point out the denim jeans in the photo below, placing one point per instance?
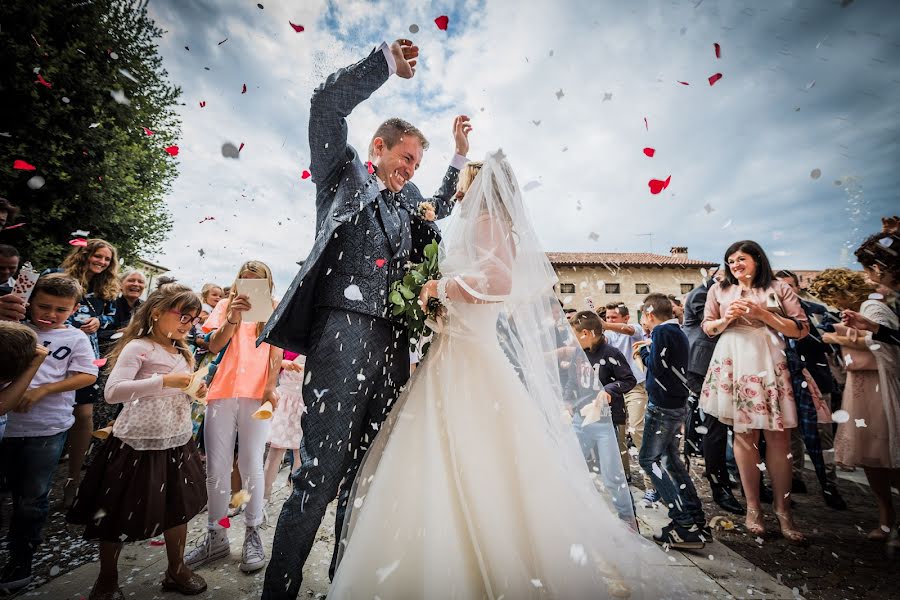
(28, 465)
(600, 447)
(660, 458)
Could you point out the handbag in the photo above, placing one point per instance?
(855, 360)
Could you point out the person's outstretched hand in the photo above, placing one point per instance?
(461, 129)
(405, 55)
(853, 319)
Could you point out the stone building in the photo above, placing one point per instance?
(626, 277)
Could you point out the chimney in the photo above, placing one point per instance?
(679, 251)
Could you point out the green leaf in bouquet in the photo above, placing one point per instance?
(409, 279)
(407, 293)
(418, 277)
(396, 298)
(397, 310)
(431, 249)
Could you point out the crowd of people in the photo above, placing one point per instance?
(747, 371)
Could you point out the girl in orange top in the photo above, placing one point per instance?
(246, 377)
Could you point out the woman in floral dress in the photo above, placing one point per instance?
(748, 385)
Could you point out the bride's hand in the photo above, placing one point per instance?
(405, 55)
(429, 291)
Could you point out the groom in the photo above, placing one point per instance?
(336, 311)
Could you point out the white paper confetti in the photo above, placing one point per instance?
(119, 96)
(36, 182)
(860, 422)
(762, 467)
(840, 416)
(578, 555)
(385, 572)
(353, 293)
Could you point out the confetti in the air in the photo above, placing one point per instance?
(727, 224)
(157, 543)
(658, 185)
(442, 22)
(718, 50)
(305, 174)
(379, 262)
(650, 152)
(560, 94)
(240, 497)
(222, 42)
(762, 467)
(241, 147)
(840, 416)
(54, 570)
(202, 103)
(385, 572)
(646, 125)
(225, 522)
(414, 28)
(172, 150)
(886, 242)
(684, 83)
(815, 173)
(297, 28)
(594, 236)
(80, 242)
(352, 292)
(811, 84)
(577, 554)
(205, 219)
(860, 422)
(100, 362)
(17, 225)
(370, 167)
(244, 89)
(43, 81)
(714, 78)
(21, 165)
(147, 131)
(708, 208)
(229, 150)
(119, 96)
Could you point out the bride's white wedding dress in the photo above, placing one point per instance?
(476, 488)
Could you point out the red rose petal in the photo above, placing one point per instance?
(305, 175)
(656, 185)
(100, 362)
(147, 131)
(297, 28)
(81, 242)
(157, 542)
(379, 262)
(202, 103)
(244, 89)
(370, 167)
(241, 147)
(646, 125)
(442, 22)
(225, 522)
(714, 78)
(43, 82)
(23, 166)
(684, 83)
(668, 179)
(16, 226)
(718, 50)
(649, 152)
(172, 150)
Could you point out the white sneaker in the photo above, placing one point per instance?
(253, 557)
(211, 547)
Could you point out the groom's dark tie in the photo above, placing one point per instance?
(396, 226)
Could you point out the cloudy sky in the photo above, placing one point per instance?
(796, 146)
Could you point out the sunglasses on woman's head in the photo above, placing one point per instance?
(185, 317)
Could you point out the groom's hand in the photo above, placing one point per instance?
(405, 55)
(461, 129)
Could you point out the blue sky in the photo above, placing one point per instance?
(807, 85)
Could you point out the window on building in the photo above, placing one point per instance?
(686, 287)
(642, 288)
(567, 288)
(612, 288)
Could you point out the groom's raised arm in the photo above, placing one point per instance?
(332, 101)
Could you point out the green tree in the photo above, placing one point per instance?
(102, 172)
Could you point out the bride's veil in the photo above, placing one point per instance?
(490, 254)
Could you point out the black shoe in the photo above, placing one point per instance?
(682, 538)
(705, 532)
(14, 576)
(798, 486)
(726, 500)
(833, 498)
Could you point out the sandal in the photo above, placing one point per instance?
(794, 536)
(755, 527)
(880, 534)
(191, 586)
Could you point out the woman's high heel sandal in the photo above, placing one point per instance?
(792, 535)
(754, 522)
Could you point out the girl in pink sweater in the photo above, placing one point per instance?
(148, 478)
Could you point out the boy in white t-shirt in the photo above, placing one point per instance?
(36, 430)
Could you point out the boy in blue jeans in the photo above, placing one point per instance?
(665, 359)
(36, 430)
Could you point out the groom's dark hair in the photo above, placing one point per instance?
(392, 130)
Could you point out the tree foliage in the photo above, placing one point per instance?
(102, 172)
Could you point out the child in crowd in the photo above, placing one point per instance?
(245, 378)
(210, 294)
(148, 478)
(20, 358)
(286, 432)
(612, 378)
(36, 431)
(665, 358)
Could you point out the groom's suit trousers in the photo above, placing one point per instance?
(354, 371)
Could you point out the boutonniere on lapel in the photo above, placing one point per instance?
(427, 211)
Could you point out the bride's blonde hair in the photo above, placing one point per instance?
(467, 176)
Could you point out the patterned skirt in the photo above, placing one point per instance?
(748, 384)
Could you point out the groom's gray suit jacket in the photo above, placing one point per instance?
(350, 236)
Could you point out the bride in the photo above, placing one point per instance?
(476, 486)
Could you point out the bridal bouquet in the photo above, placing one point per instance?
(404, 297)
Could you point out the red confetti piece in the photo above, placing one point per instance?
(646, 125)
(147, 131)
(157, 542)
(649, 152)
(684, 83)
(244, 89)
(305, 175)
(714, 78)
(656, 185)
(370, 167)
(241, 147)
(100, 362)
(442, 22)
(718, 49)
(172, 150)
(202, 103)
(205, 219)
(16, 226)
(43, 81)
(21, 165)
(297, 28)
(225, 522)
(379, 262)
(81, 242)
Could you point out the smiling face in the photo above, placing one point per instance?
(99, 261)
(49, 311)
(613, 316)
(742, 266)
(133, 286)
(395, 166)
